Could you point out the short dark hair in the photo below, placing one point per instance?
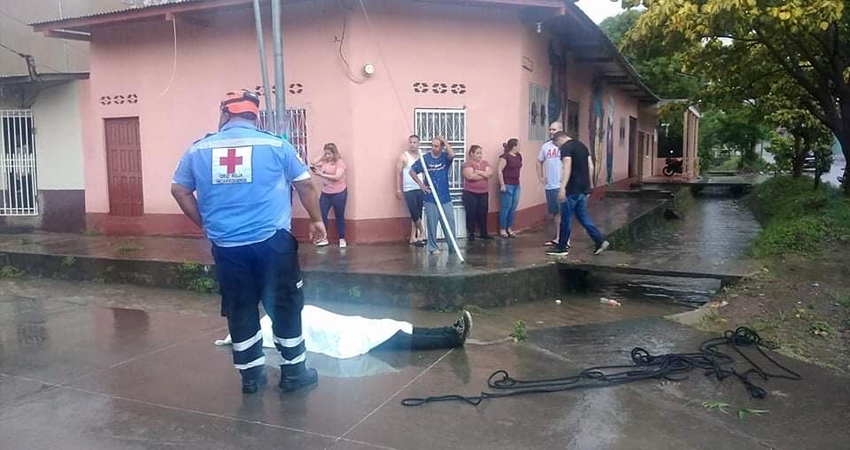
(244, 115)
(559, 135)
(473, 147)
(414, 136)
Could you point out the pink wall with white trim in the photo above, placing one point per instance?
(368, 118)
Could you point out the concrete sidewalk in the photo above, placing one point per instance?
(397, 274)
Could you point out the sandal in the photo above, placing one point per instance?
(551, 243)
(504, 235)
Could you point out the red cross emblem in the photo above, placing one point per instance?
(231, 161)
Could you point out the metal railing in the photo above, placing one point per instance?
(18, 185)
(297, 133)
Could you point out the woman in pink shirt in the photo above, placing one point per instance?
(331, 168)
(476, 192)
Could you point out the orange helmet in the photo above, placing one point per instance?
(243, 101)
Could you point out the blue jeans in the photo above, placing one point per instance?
(508, 202)
(576, 204)
(432, 216)
(337, 201)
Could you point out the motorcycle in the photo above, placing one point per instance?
(674, 166)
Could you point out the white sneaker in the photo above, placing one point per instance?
(342, 243)
(322, 243)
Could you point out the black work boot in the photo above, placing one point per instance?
(253, 379)
(293, 377)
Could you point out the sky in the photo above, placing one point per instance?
(599, 9)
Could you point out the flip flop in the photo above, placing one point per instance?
(551, 243)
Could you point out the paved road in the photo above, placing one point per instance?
(75, 374)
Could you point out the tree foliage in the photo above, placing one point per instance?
(746, 47)
(662, 71)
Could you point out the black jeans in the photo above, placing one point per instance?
(476, 211)
(337, 201)
(422, 339)
(267, 271)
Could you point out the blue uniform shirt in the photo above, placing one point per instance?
(242, 176)
(438, 168)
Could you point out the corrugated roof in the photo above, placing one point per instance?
(117, 11)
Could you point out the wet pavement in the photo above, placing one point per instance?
(708, 241)
(75, 374)
(526, 250)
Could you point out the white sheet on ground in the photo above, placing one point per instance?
(336, 335)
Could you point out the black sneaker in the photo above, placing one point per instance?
(463, 327)
(555, 251)
(252, 383)
(289, 383)
(601, 247)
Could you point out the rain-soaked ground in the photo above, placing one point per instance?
(98, 366)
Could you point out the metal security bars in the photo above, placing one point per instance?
(18, 187)
(451, 124)
(297, 132)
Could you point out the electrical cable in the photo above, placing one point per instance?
(348, 72)
(645, 366)
(174, 60)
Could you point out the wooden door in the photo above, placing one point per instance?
(124, 167)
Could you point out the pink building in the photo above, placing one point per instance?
(475, 71)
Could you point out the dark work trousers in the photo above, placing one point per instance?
(337, 201)
(266, 271)
(476, 211)
(422, 339)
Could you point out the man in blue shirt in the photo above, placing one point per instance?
(439, 163)
(242, 177)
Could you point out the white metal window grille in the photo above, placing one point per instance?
(297, 132)
(451, 124)
(18, 187)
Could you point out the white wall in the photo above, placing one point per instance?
(58, 138)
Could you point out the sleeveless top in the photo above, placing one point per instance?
(408, 184)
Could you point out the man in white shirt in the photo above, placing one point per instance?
(549, 173)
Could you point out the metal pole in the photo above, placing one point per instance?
(280, 89)
(450, 232)
(258, 20)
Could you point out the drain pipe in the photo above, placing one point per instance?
(258, 20)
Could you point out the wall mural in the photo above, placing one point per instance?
(610, 144)
(597, 130)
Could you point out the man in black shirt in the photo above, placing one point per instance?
(574, 193)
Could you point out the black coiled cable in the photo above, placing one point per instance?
(645, 366)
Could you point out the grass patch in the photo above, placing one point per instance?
(126, 249)
(519, 334)
(797, 218)
(11, 272)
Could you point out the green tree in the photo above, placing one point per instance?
(745, 46)
(662, 71)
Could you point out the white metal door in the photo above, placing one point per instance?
(18, 187)
(451, 124)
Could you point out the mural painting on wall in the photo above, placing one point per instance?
(609, 146)
(557, 86)
(597, 131)
(537, 115)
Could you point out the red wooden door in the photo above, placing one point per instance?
(124, 167)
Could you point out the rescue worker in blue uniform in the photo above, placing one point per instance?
(242, 177)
